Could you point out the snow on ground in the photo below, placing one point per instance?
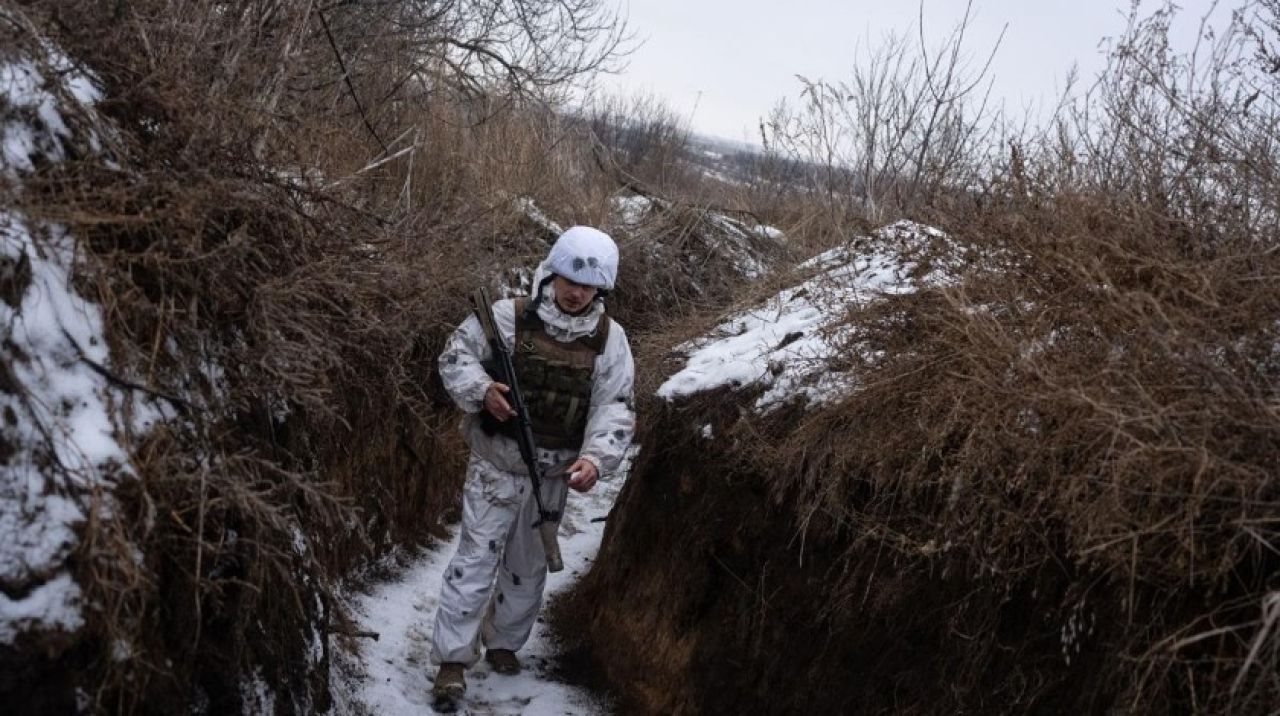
(769, 232)
(631, 210)
(529, 208)
(59, 433)
(736, 245)
(58, 413)
(722, 177)
(392, 676)
(786, 343)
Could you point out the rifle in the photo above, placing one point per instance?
(548, 520)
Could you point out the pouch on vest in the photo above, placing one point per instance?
(555, 379)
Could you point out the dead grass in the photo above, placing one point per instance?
(1057, 480)
(1098, 407)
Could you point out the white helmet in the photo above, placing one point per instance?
(585, 255)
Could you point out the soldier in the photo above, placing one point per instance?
(574, 369)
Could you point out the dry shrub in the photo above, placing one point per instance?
(1095, 412)
(290, 207)
(283, 329)
(911, 124)
(641, 140)
(681, 256)
(1056, 479)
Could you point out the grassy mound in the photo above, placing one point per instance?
(1051, 488)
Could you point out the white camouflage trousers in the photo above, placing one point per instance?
(499, 539)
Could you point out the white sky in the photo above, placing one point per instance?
(728, 62)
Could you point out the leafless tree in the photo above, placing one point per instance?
(900, 128)
(639, 140)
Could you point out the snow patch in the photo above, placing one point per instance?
(26, 92)
(631, 210)
(516, 283)
(722, 234)
(786, 344)
(720, 176)
(736, 245)
(771, 233)
(256, 696)
(526, 206)
(62, 452)
(52, 606)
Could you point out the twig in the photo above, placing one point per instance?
(114, 379)
(346, 78)
(353, 633)
(374, 165)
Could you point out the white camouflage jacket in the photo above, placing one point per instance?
(611, 417)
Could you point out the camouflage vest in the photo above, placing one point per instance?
(555, 380)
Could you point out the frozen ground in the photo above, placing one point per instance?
(392, 675)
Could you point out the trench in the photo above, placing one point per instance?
(392, 674)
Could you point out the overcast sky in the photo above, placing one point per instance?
(726, 63)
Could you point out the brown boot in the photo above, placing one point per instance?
(503, 661)
(451, 683)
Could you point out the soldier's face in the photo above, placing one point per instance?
(572, 298)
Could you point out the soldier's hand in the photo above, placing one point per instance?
(582, 475)
(495, 402)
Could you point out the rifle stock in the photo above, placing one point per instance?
(548, 520)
